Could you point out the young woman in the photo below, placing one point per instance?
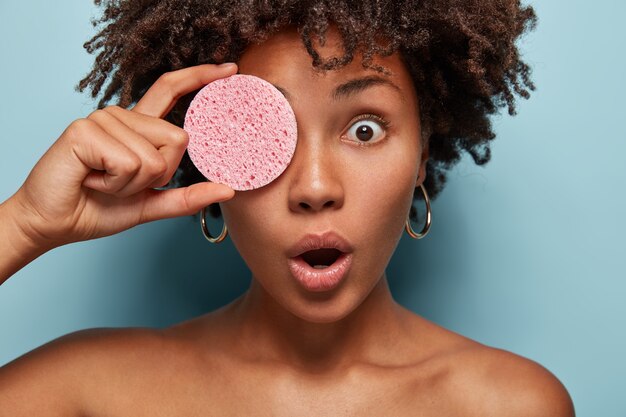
(386, 95)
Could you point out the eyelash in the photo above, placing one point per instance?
(384, 123)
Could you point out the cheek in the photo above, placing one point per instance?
(384, 188)
(244, 218)
(381, 200)
(252, 223)
(243, 210)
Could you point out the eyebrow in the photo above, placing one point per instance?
(354, 87)
(358, 85)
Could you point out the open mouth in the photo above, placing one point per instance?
(321, 258)
(320, 262)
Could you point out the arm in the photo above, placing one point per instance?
(96, 180)
(538, 393)
(17, 249)
(44, 382)
(80, 374)
(518, 387)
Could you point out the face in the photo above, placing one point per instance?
(357, 161)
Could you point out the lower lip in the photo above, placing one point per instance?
(318, 280)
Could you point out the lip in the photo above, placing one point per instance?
(317, 280)
(311, 241)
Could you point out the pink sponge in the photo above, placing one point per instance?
(242, 132)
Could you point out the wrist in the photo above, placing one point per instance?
(18, 244)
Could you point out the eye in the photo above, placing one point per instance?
(367, 129)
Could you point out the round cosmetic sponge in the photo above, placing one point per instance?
(242, 132)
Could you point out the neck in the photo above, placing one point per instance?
(268, 331)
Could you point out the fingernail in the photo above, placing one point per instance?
(226, 194)
(227, 65)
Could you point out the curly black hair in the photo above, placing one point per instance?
(461, 54)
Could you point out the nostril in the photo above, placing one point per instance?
(308, 206)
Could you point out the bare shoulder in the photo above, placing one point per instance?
(471, 379)
(61, 376)
(495, 382)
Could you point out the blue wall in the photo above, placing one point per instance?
(524, 254)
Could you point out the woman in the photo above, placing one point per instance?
(386, 97)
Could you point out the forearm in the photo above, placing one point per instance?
(17, 249)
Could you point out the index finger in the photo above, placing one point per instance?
(171, 86)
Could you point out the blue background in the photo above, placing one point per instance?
(525, 254)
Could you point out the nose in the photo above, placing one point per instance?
(315, 177)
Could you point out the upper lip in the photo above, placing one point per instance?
(311, 241)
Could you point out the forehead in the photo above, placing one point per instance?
(283, 60)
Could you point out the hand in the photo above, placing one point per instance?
(97, 179)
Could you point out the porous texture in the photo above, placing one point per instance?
(242, 132)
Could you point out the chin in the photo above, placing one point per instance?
(323, 307)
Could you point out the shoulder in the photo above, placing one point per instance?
(62, 375)
(473, 379)
(494, 382)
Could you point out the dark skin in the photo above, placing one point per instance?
(277, 350)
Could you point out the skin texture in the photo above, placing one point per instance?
(278, 350)
(332, 183)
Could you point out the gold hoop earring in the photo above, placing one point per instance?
(205, 229)
(426, 227)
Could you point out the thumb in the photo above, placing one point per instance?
(183, 201)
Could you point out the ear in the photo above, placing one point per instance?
(422, 169)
